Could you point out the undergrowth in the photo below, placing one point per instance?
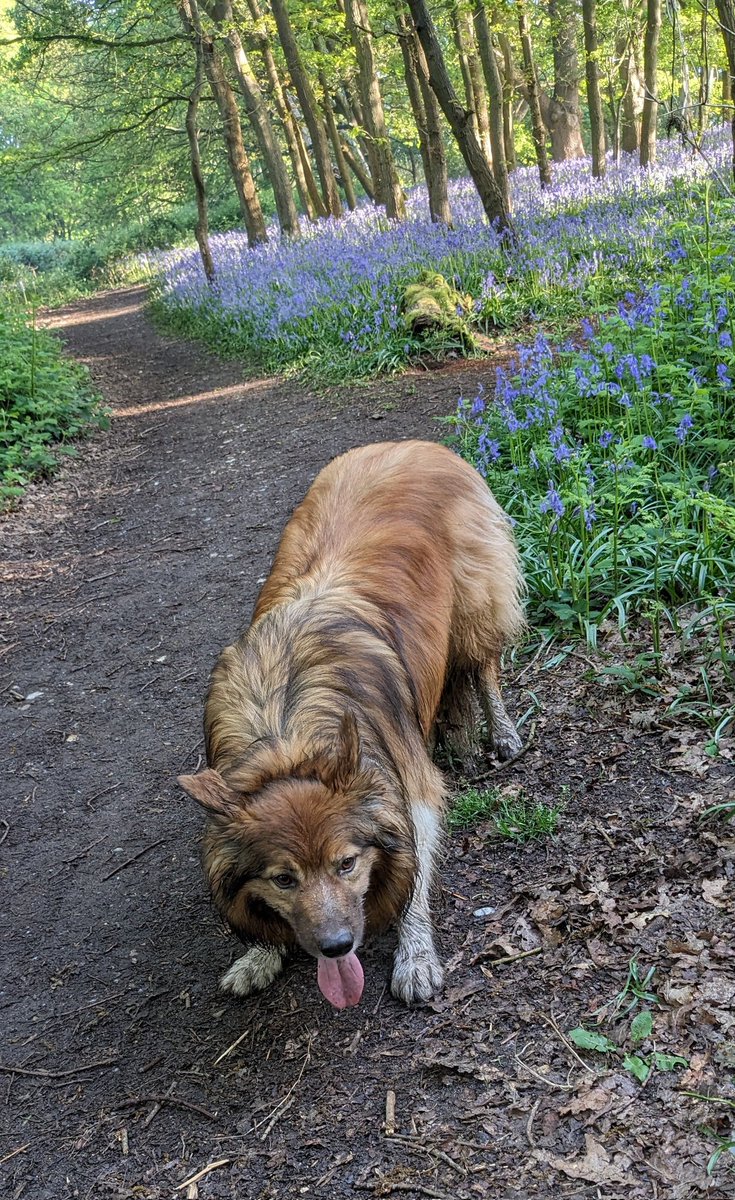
(46, 402)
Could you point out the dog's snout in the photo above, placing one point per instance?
(337, 944)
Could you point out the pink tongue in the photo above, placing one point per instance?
(341, 980)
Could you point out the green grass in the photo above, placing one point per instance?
(516, 818)
(46, 402)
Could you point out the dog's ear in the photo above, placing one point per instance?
(338, 766)
(209, 789)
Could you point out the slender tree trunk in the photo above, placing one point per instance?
(201, 229)
(358, 169)
(650, 65)
(221, 13)
(311, 201)
(538, 129)
(309, 108)
(339, 157)
(471, 150)
(427, 117)
(726, 14)
(495, 94)
(224, 96)
(382, 165)
(508, 95)
(477, 80)
(626, 49)
(594, 99)
(562, 111)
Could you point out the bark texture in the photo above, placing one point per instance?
(388, 190)
(650, 64)
(495, 95)
(309, 107)
(538, 129)
(594, 99)
(427, 116)
(562, 112)
(201, 229)
(458, 118)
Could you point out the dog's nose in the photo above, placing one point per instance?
(337, 945)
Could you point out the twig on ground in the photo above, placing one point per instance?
(129, 861)
(529, 1123)
(80, 853)
(221, 1162)
(550, 1021)
(19, 1150)
(165, 1098)
(5, 832)
(94, 1066)
(97, 796)
(390, 1113)
(124, 1145)
(420, 1147)
(229, 1049)
(509, 762)
(561, 1087)
(508, 958)
(385, 1189)
(284, 1104)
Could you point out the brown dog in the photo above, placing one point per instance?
(394, 589)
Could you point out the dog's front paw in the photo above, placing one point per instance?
(258, 967)
(506, 742)
(418, 976)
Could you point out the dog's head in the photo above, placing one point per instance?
(309, 848)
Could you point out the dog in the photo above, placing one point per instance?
(394, 589)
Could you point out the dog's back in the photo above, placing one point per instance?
(411, 530)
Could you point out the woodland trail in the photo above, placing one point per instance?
(123, 578)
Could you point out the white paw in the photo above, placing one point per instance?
(506, 742)
(258, 967)
(418, 975)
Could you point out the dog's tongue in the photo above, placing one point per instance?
(341, 980)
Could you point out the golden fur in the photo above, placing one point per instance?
(394, 589)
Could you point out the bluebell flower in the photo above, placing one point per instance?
(722, 376)
(552, 502)
(649, 443)
(683, 428)
(478, 406)
(606, 438)
(725, 340)
(676, 252)
(590, 516)
(533, 460)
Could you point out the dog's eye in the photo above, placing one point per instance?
(284, 881)
(347, 865)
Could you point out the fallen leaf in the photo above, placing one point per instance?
(594, 1165)
(713, 890)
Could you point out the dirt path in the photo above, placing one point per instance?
(124, 578)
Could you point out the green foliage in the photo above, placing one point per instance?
(516, 817)
(638, 1064)
(45, 402)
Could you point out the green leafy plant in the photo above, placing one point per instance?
(638, 1064)
(515, 817)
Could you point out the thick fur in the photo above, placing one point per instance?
(395, 587)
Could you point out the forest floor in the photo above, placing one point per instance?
(123, 1071)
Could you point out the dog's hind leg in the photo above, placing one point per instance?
(417, 972)
(258, 967)
(503, 735)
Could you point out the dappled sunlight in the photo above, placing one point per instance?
(155, 406)
(63, 319)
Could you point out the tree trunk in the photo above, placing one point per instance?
(626, 49)
(650, 65)
(309, 108)
(311, 201)
(388, 188)
(594, 99)
(538, 128)
(492, 199)
(339, 157)
(469, 64)
(237, 158)
(726, 14)
(362, 175)
(427, 117)
(201, 229)
(495, 94)
(221, 13)
(562, 111)
(508, 95)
